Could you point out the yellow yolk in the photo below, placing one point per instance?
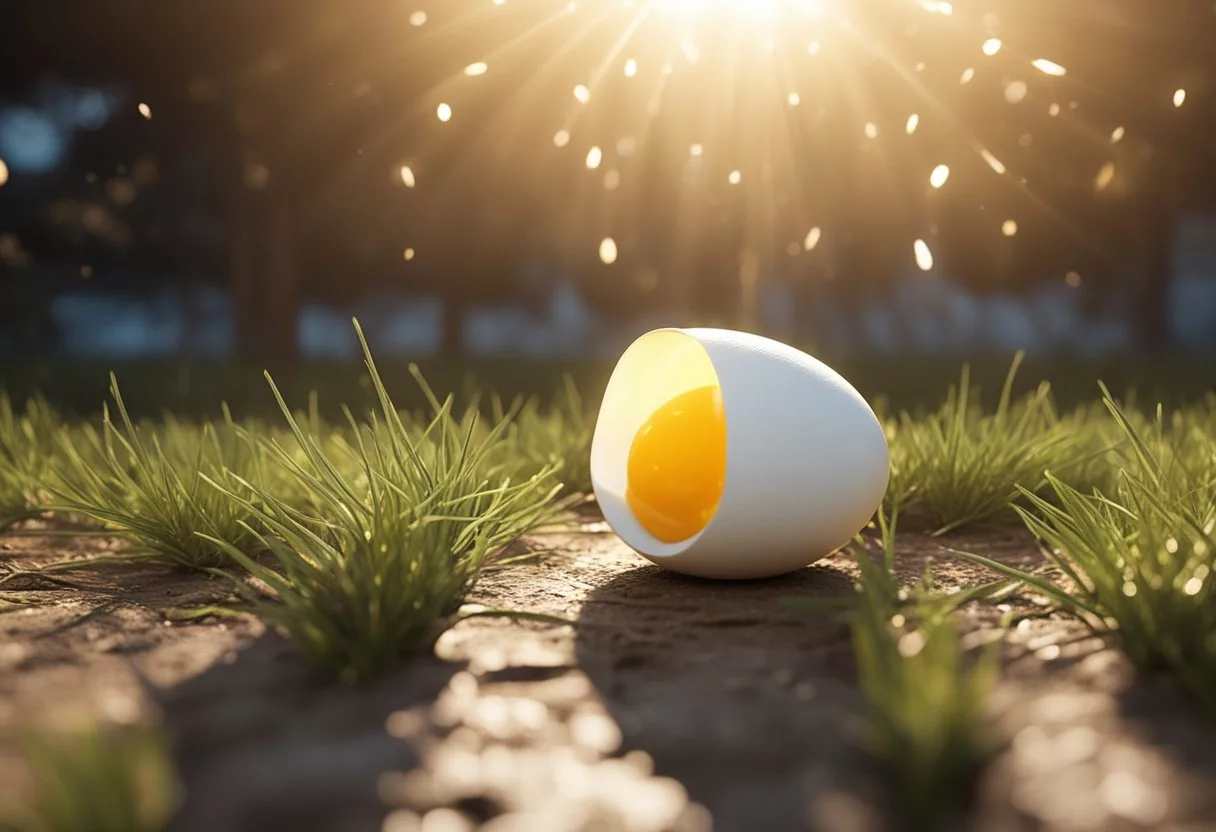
(677, 465)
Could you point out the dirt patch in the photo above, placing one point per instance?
(675, 704)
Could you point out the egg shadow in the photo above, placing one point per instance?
(748, 702)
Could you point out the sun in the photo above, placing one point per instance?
(764, 10)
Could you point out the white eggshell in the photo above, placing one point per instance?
(806, 459)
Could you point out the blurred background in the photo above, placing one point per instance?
(223, 183)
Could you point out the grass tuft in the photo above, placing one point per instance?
(102, 779)
(147, 484)
(26, 440)
(380, 563)
(966, 465)
(1138, 563)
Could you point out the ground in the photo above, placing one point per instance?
(674, 704)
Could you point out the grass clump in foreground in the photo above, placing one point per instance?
(965, 465)
(100, 778)
(381, 562)
(1138, 562)
(925, 693)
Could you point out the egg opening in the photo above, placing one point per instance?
(660, 454)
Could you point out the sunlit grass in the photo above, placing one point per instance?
(1137, 562)
(99, 778)
(380, 564)
(559, 435)
(925, 692)
(26, 440)
(965, 465)
(146, 484)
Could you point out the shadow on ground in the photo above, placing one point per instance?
(263, 742)
(745, 702)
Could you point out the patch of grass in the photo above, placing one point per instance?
(965, 465)
(925, 692)
(1138, 562)
(380, 564)
(559, 435)
(26, 439)
(147, 484)
(100, 778)
(926, 696)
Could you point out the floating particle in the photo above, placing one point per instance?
(913, 123)
(1048, 67)
(1009, 228)
(444, 111)
(1179, 97)
(1117, 135)
(1053, 110)
(594, 157)
(967, 75)
(407, 176)
(735, 177)
(608, 250)
(795, 99)
(696, 150)
(939, 176)
(1015, 92)
(475, 69)
(626, 146)
(612, 180)
(813, 47)
(561, 138)
(409, 254)
(991, 46)
(631, 68)
(1072, 279)
(145, 110)
(924, 257)
(871, 130)
(992, 161)
(812, 239)
(418, 18)
(582, 94)
(86, 271)
(1106, 175)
